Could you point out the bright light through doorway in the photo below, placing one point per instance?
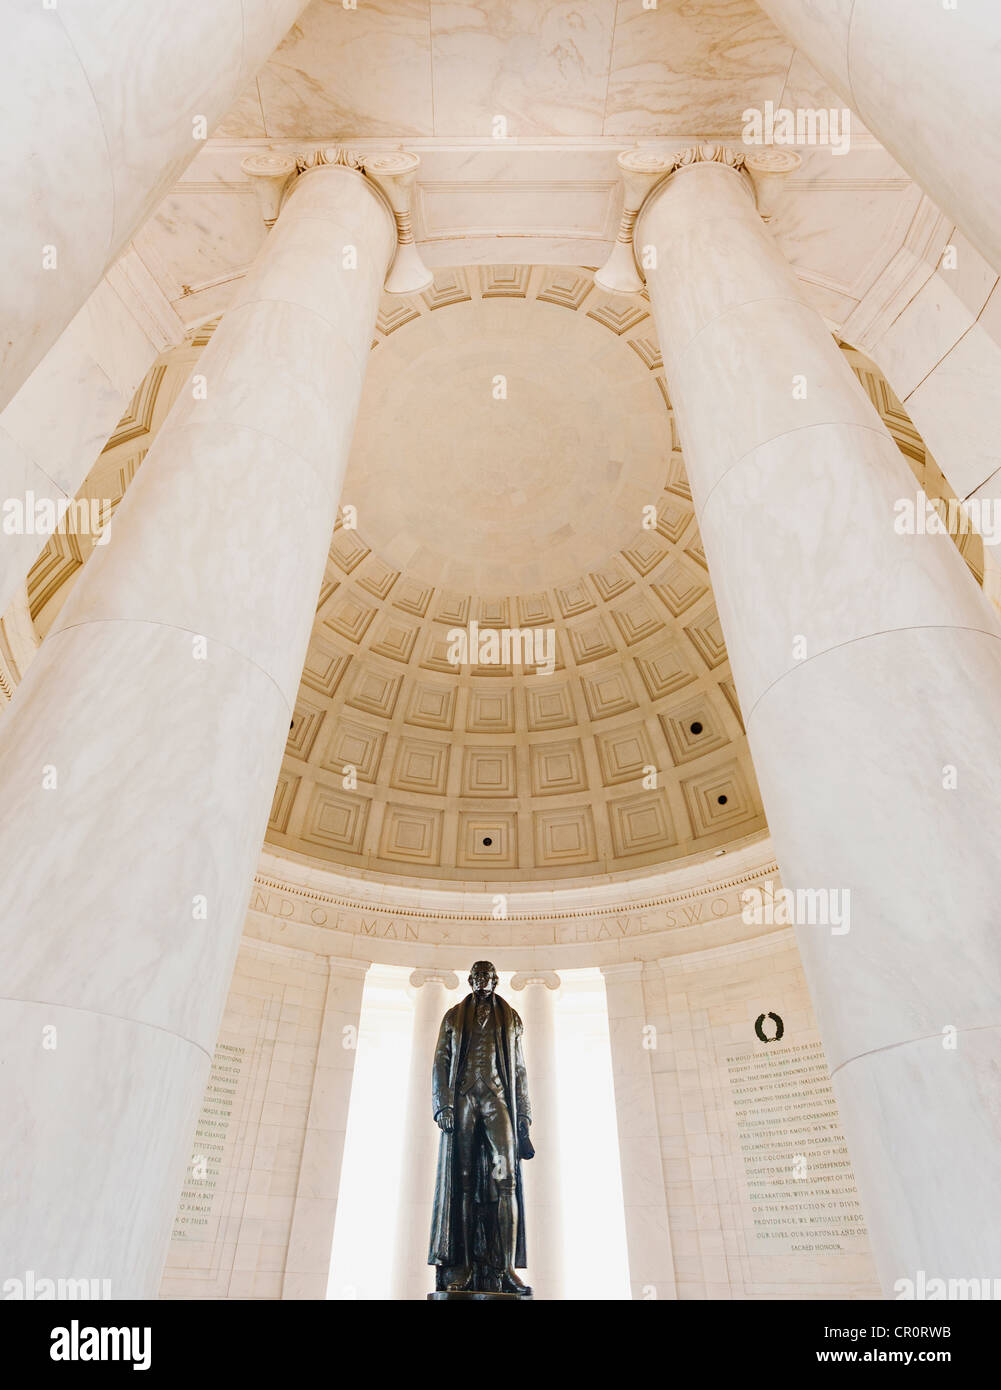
(595, 1262)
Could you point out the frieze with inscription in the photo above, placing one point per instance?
(563, 929)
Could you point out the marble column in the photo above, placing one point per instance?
(648, 1236)
(413, 1278)
(102, 106)
(868, 666)
(924, 79)
(92, 371)
(541, 1177)
(307, 1264)
(933, 328)
(139, 755)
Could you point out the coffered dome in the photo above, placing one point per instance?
(515, 424)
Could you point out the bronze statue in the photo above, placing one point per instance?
(480, 1103)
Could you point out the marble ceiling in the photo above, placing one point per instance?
(518, 111)
(416, 68)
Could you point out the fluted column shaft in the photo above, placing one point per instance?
(541, 1177)
(924, 79)
(644, 1194)
(138, 758)
(102, 106)
(307, 1262)
(413, 1278)
(868, 666)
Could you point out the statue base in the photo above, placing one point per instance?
(476, 1296)
(484, 1281)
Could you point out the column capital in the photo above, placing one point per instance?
(393, 174)
(644, 173)
(641, 169)
(389, 174)
(549, 978)
(270, 173)
(274, 172)
(769, 169)
(427, 975)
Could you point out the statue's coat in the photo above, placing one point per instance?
(449, 1055)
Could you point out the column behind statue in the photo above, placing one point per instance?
(543, 1195)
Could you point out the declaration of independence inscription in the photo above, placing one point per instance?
(194, 1211)
(799, 1177)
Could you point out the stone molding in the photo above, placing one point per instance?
(412, 927)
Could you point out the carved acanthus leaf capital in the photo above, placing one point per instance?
(328, 154)
(273, 172)
(710, 154)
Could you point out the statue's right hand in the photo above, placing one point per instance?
(446, 1118)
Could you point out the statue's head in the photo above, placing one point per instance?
(483, 977)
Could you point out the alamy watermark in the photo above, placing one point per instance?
(504, 646)
(923, 1287)
(77, 1342)
(948, 516)
(807, 125)
(31, 515)
(800, 907)
(36, 1287)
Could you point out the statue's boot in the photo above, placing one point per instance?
(506, 1219)
(510, 1283)
(463, 1282)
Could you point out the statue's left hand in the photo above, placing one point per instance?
(526, 1149)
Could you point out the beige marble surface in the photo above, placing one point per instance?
(680, 66)
(932, 323)
(924, 80)
(543, 71)
(103, 105)
(410, 68)
(365, 70)
(543, 482)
